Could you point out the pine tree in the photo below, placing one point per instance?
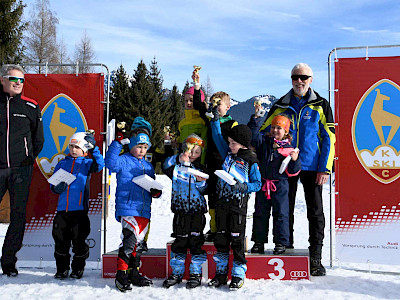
(11, 31)
(177, 106)
(121, 108)
(148, 105)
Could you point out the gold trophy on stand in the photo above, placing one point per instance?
(167, 132)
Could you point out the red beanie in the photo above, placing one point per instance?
(190, 91)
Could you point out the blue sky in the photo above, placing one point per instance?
(246, 48)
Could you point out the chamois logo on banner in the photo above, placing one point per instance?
(62, 117)
(375, 131)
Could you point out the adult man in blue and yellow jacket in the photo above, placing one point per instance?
(313, 133)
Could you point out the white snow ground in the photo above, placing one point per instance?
(340, 283)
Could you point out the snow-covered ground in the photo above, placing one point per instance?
(340, 283)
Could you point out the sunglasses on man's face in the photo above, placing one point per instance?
(301, 77)
(14, 78)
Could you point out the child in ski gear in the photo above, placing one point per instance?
(231, 206)
(193, 123)
(274, 195)
(189, 206)
(71, 223)
(132, 205)
(213, 158)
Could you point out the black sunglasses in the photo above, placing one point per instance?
(14, 78)
(301, 77)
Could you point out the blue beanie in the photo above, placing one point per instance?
(141, 138)
(140, 122)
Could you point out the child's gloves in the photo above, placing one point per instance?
(239, 187)
(91, 142)
(60, 188)
(155, 193)
(215, 113)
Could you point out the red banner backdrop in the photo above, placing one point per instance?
(69, 104)
(367, 110)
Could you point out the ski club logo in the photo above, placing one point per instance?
(62, 117)
(375, 131)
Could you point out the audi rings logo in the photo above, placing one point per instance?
(91, 243)
(298, 274)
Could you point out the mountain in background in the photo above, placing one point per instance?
(242, 111)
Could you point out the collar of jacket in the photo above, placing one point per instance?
(191, 114)
(225, 118)
(288, 97)
(4, 96)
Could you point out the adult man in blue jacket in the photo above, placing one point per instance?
(313, 133)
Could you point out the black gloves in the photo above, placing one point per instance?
(215, 113)
(60, 188)
(239, 187)
(91, 142)
(155, 193)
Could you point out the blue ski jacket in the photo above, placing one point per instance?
(130, 199)
(76, 196)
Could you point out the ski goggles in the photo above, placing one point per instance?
(14, 78)
(301, 77)
(195, 141)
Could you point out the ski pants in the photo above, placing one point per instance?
(72, 227)
(17, 181)
(279, 204)
(188, 232)
(134, 230)
(231, 228)
(315, 212)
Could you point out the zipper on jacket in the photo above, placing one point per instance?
(141, 212)
(26, 146)
(8, 132)
(72, 169)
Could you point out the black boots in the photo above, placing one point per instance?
(236, 283)
(258, 248)
(61, 274)
(76, 274)
(316, 268)
(279, 249)
(10, 270)
(122, 281)
(194, 281)
(218, 280)
(172, 280)
(138, 279)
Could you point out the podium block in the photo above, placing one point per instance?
(292, 265)
(153, 263)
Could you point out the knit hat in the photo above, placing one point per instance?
(281, 121)
(140, 122)
(141, 138)
(190, 91)
(78, 139)
(241, 134)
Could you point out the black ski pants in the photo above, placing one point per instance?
(17, 181)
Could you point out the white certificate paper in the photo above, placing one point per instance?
(61, 176)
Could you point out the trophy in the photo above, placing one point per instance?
(214, 103)
(196, 70)
(167, 132)
(261, 111)
(90, 131)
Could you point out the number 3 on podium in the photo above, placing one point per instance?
(278, 267)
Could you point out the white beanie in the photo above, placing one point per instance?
(78, 139)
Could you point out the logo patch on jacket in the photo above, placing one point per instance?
(19, 115)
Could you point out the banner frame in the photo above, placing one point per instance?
(331, 96)
(105, 190)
